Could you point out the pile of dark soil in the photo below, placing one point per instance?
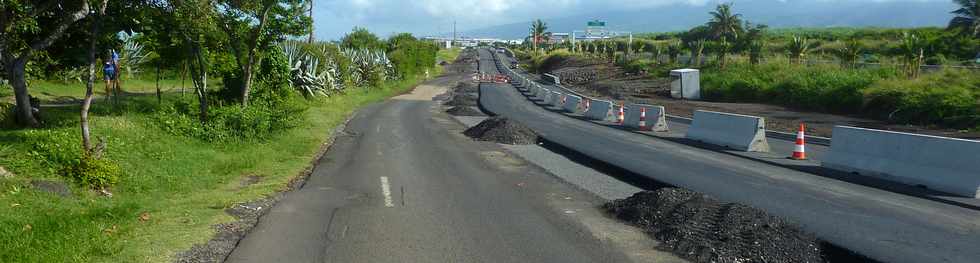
(461, 99)
(502, 130)
(702, 229)
(464, 111)
(466, 87)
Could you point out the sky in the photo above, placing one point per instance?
(334, 18)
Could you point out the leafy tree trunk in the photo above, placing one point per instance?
(251, 60)
(199, 77)
(16, 68)
(96, 27)
(15, 64)
(159, 93)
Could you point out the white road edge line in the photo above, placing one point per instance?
(386, 191)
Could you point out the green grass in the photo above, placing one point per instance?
(59, 90)
(183, 184)
(448, 55)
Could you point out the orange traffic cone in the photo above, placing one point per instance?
(643, 118)
(619, 116)
(799, 153)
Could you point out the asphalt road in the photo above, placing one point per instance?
(884, 225)
(403, 185)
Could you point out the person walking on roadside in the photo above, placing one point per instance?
(109, 74)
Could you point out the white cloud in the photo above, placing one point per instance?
(334, 18)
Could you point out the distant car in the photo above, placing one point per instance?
(513, 65)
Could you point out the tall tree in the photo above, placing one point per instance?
(361, 38)
(724, 23)
(538, 31)
(93, 49)
(27, 27)
(254, 25)
(967, 19)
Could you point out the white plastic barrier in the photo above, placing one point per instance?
(599, 110)
(655, 118)
(736, 131)
(571, 103)
(940, 163)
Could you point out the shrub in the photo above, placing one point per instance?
(818, 87)
(52, 148)
(7, 114)
(92, 172)
(950, 98)
(274, 108)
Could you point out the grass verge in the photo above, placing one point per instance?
(173, 189)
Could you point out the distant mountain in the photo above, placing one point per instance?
(776, 14)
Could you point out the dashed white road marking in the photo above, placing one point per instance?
(386, 191)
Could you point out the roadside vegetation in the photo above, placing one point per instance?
(924, 76)
(208, 115)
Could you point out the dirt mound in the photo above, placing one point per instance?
(464, 111)
(466, 87)
(502, 130)
(702, 229)
(461, 99)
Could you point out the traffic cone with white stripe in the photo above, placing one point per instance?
(799, 152)
(643, 118)
(619, 116)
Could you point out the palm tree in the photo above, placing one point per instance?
(755, 51)
(697, 50)
(849, 52)
(723, 23)
(538, 31)
(967, 19)
(913, 50)
(723, 47)
(673, 51)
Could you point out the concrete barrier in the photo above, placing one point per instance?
(656, 117)
(571, 103)
(736, 131)
(555, 98)
(545, 96)
(599, 110)
(939, 163)
(551, 79)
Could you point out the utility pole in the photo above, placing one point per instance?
(454, 34)
(573, 41)
(629, 48)
(311, 22)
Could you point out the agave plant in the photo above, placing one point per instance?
(798, 49)
(132, 56)
(305, 74)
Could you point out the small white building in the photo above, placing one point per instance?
(685, 83)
